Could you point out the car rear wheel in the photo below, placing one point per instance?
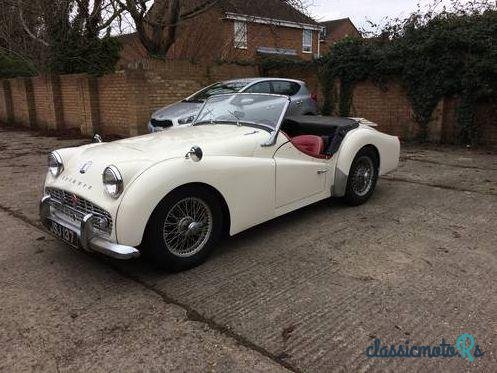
(184, 229)
(363, 177)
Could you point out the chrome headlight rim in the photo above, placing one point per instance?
(55, 164)
(115, 185)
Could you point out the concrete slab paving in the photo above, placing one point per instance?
(309, 291)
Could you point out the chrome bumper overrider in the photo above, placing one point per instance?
(88, 238)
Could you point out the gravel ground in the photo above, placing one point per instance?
(306, 292)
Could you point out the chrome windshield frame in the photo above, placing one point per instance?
(275, 131)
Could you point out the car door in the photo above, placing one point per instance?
(298, 175)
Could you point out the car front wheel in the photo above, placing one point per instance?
(184, 229)
(363, 177)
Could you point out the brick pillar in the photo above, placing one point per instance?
(27, 113)
(138, 114)
(89, 95)
(435, 126)
(6, 102)
(54, 97)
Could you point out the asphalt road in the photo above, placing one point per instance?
(306, 292)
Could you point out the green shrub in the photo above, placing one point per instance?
(12, 66)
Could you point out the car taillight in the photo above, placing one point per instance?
(314, 97)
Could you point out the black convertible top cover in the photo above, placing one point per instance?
(321, 121)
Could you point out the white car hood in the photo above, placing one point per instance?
(134, 155)
(177, 110)
(213, 139)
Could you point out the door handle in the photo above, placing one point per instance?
(320, 172)
(299, 102)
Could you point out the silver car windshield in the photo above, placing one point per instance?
(260, 110)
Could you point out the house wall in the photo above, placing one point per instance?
(260, 35)
(210, 37)
(339, 32)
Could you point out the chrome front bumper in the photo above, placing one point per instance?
(88, 238)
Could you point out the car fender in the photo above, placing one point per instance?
(388, 149)
(245, 183)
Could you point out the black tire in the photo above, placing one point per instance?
(361, 186)
(165, 230)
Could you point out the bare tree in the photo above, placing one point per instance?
(157, 21)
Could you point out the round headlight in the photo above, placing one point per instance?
(55, 165)
(113, 181)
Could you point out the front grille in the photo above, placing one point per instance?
(161, 123)
(77, 208)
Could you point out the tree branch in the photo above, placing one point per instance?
(26, 28)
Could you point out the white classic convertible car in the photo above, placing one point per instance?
(172, 195)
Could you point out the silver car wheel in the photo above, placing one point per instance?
(363, 176)
(187, 227)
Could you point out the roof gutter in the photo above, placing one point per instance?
(272, 21)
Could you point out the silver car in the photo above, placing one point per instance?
(184, 112)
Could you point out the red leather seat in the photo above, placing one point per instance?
(310, 145)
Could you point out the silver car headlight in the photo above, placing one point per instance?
(55, 165)
(186, 120)
(113, 181)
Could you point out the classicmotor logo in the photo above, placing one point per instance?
(465, 347)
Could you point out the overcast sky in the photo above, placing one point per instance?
(361, 10)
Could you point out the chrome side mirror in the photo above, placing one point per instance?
(195, 154)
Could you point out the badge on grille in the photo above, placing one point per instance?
(74, 200)
(84, 168)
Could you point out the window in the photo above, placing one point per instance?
(307, 41)
(240, 35)
(323, 34)
(216, 89)
(263, 87)
(282, 87)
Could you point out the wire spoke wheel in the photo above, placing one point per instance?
(187, 227)
(363, 176)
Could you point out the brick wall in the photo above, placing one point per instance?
(47, 101)
(486, 117)
(388, 107)
(72, 100)
(5, 102)
(113, 103)
(23, 111)
(337, 32)
(121, 103)
(260, 35)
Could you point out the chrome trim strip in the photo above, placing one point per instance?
(89, 239)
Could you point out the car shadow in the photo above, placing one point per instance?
(142, 268)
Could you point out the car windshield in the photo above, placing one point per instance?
(217, 89)
(260, 110)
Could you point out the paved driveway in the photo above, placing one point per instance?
(306, 292)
